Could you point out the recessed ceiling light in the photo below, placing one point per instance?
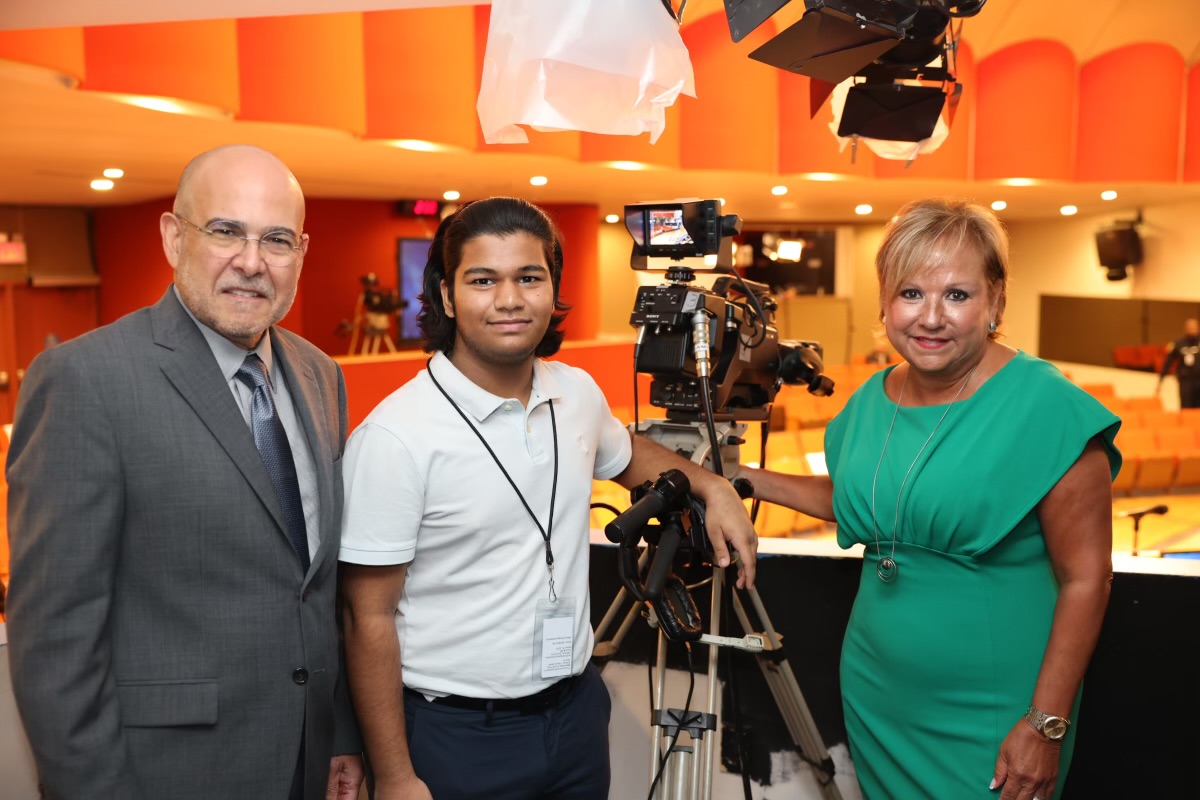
(416, 145)
(611, 218)
(999, 205)
(168, 105)
(113, 172)
(778, 190)
(450, 195)
(1019, 181)
(102, 184)
(628, 166)
(1068, 211)
(821, 176)
(862, 209)
(538, 180)
(1108, 194)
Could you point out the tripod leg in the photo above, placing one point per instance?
(660, 699)
(702, 779)
(788, 697)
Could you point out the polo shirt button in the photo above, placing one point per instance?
(300, 677)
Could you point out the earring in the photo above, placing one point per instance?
(992, 327)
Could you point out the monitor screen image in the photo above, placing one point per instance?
(666, 228)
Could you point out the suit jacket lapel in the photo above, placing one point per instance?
(309, 404)
(189, 365)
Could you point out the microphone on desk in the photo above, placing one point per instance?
(1137, 514)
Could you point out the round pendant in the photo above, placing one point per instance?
(887, 569)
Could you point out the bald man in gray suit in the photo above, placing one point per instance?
(175, 497)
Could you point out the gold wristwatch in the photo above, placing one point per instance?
(1052, 727)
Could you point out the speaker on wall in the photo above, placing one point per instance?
(1118, 247)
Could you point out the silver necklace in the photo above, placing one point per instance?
(887, 568)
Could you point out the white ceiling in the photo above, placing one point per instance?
(53, 140)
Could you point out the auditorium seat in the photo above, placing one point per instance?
(1151, 403)
(1099, 389)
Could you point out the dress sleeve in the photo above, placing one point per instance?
(1042, 427)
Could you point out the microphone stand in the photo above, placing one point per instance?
(1136, 516)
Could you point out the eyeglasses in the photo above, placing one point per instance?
(277, 249)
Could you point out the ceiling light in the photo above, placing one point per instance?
(102, 184)
(778, 190)
(628, 166)
(538, 180)
(1068, 211)
(1019, 181)
(113, 172)
(611, 218)
(1108, 194)
(450, 195)
(999, 205)
(820, 176)
(863, 209)
(416, 145)
(168, 105)
(789, 250)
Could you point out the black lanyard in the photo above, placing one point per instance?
(546, 533)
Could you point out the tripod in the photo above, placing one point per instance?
(688, 770)
(374, 326)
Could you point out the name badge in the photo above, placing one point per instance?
(554, 638)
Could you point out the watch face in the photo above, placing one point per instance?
(1054, 727)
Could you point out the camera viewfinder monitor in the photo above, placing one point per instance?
(678, 230)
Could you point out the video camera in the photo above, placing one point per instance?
(378, 300)
(688, 334)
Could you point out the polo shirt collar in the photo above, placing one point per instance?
(480, 403)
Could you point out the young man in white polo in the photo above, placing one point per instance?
(465, 536)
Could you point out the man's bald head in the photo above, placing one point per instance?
(224, 162)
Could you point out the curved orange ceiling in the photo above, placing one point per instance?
(1026, 111)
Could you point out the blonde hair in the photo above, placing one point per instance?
(926, 230)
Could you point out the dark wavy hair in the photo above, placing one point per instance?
(496, 216)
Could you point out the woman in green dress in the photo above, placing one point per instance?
(979, 480)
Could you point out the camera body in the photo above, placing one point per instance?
(378, 300)
(734, 322)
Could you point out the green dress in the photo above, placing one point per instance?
(939, 663)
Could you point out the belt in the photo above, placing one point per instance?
(547, 698)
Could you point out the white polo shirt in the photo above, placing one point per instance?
(422, 490)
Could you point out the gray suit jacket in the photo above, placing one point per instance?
(163, 641)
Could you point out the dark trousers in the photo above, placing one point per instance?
(559, 753)
(1189, 393)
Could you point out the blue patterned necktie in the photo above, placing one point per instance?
(272, 444)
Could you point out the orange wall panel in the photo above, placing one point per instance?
(733, 121)
(306, 69)
(1130, 115)
(580, 289)
(1025, 113)
(1191, 152)
(129, 257)
(42, 312)
(420, 81)
(196, 61)
(59, 49)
